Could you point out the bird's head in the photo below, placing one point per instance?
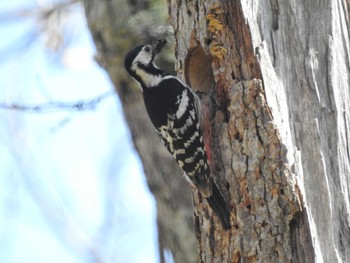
(139, 61)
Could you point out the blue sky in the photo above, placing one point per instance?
(71, 185)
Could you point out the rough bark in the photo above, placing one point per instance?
(107, 21)
(304, 54)
(280, 71)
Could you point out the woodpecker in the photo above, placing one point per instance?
(179, 119)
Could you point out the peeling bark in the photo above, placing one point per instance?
(280, 72)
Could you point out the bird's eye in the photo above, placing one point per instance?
(147, 49)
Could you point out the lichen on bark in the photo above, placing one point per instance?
(250, 160)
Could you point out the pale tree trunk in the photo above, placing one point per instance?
(280, 71)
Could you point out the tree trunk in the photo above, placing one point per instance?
(280, 72)
(107, 21)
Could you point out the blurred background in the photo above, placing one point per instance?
(71, 185)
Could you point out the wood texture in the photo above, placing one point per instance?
(280, 72)
(281, 76)
(304, 56)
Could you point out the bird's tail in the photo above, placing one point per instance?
(220, 207)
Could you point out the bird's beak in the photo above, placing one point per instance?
(158, 45)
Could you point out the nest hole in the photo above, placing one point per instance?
(198, 70)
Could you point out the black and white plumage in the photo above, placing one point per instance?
(177, 115)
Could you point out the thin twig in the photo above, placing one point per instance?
(42, 12)
(54, 106)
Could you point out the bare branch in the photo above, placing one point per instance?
(39, 11)
(54, 106)
(47, 20)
